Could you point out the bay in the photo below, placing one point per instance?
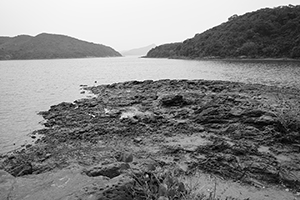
(30, 86)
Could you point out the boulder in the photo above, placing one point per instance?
(172, 100)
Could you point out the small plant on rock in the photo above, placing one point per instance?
(159, 186)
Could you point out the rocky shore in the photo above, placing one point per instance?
(156, 139)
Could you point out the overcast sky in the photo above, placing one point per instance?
(123, 24)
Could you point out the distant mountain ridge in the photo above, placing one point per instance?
(265, 33)
(138, 51)
(50, 46)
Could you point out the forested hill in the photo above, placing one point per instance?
(265, 33)
(48, 46)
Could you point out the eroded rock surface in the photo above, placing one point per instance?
(241, 132)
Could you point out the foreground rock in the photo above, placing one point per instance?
(68, 183)
(243, 133)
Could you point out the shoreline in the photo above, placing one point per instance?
(246, 133)
(229, 59)
(38, 59)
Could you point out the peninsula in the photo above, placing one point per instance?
(50, 46)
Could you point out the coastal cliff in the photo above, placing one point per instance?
(148, 139)
(50, 46)
(265, 33)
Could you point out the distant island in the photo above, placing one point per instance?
(265, 33)
(51, 46)
(138, 51)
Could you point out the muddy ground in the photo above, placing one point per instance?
(242, 140)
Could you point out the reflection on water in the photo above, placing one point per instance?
(278, 73)
(30, 86)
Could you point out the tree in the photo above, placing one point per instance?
(249, 49)
(232, 17)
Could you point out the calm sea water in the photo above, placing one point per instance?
(30, 86)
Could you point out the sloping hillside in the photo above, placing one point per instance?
(48, 46)
(265, 33)
(138, 51)
(164, 51)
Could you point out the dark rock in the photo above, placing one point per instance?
(254, 113)
(22, 169)
(62, 106)
(41, 168)
(173, 100)
(109, 170)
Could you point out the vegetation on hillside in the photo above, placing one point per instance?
(266, 33)
(48, 46)
(3, 39)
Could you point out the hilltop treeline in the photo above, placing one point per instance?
(265, 33)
